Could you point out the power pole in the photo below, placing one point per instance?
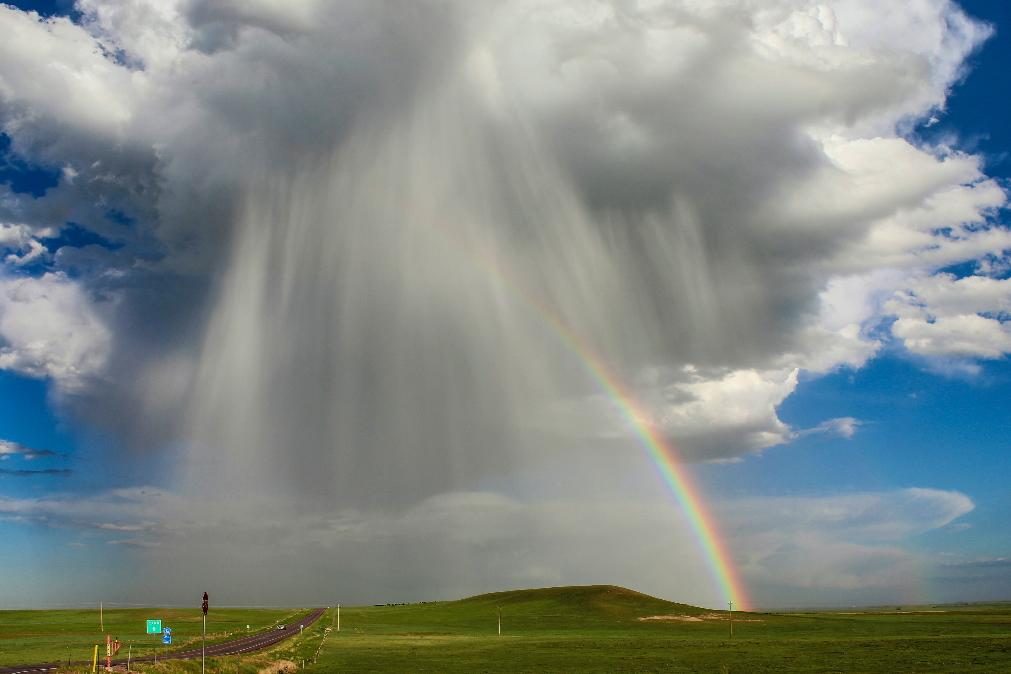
(499, 609)
(731, 620)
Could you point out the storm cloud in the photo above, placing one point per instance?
(354, 257)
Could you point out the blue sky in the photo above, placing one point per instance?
(136, 242)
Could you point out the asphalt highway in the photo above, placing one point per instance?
(247, 644)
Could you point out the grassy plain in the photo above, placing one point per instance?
(600, 629)
(51, 636)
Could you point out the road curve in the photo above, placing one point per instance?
(247, 644)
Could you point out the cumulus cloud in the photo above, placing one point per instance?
(87, 92)
(49, 328)
(961, 318)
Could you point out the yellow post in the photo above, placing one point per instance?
(94, 660)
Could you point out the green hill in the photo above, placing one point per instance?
(581, 603)
(590, 607)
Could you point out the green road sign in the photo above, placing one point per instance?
(154, 626)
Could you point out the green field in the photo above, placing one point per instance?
(598, 629)
(28, 637)
(601, 629)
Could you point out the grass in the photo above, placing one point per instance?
(51, 636)
(598, 629)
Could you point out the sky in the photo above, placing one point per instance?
(388, 296)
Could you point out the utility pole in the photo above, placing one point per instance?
(338, 617)
(499, 609)
(101, 616)
(731, 620)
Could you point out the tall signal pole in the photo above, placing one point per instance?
(203, 642)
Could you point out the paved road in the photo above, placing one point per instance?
(248, 644)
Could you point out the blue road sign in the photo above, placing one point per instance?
(166, 639)
(167, 631)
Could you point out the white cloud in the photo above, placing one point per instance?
(50, 328)
(965, 335)
(947, 294)
(56, 68)
(14, 236)
(737, 404)
(946, 316)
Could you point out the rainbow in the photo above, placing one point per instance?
(660, 451)
(664, 456)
